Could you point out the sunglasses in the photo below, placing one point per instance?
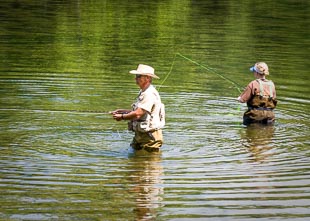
(138, 75)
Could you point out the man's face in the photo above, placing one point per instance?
(141, 80)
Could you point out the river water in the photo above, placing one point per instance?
(65, 64)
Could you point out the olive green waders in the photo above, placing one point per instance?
(149, 141)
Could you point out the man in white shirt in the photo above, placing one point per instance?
(147, 117)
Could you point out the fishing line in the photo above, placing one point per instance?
(60, 111)
(171, 67)
(236, 85)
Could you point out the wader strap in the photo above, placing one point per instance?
(261, 87)
(271, 89)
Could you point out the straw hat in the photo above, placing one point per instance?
(144, 70)
(261, 68)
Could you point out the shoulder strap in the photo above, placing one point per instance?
(261, 87)
(270, 88)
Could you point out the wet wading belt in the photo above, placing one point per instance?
(261, 101)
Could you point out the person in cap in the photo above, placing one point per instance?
(260, 96)
(147, 116)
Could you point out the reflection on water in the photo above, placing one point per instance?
(64, 64)
(147, 184)
(257, 139)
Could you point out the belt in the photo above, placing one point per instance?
(260, 108)
(149, 131)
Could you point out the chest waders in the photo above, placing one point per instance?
(260, 107)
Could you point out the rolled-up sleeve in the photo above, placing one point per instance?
(246, 94)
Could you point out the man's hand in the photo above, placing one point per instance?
(117, 116)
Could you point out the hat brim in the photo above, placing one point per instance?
(137, 72)
(252, 69)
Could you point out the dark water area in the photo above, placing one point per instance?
(65, 64)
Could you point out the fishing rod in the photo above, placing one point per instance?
(57, 111)
(236, 85)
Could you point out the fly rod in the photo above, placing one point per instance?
(55, 111)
